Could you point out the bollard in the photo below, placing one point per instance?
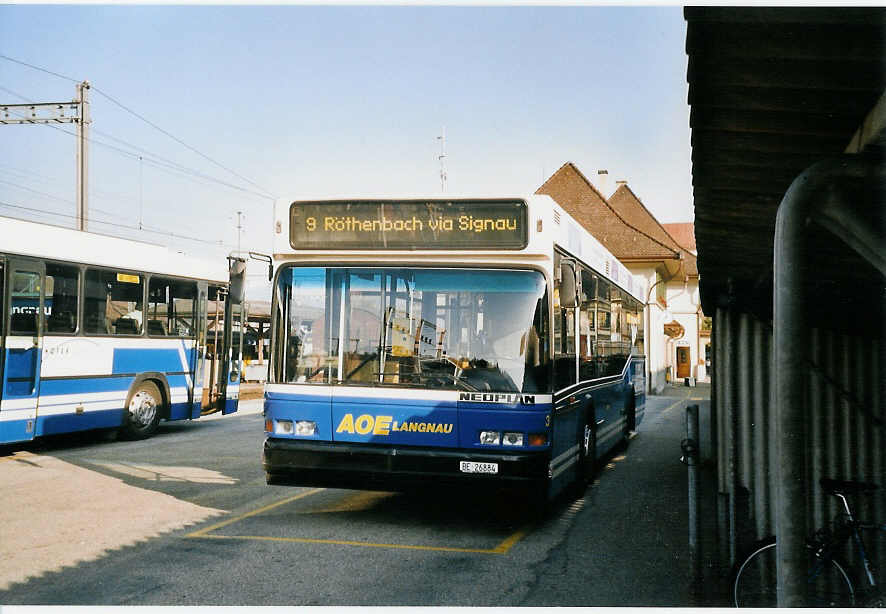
(690, 448)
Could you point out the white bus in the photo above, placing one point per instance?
(103, 332)
(431, 341)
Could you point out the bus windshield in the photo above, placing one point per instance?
(449, 329)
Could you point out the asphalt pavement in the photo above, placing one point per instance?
(646, 506)
(624, 543)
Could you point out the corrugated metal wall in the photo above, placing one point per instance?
(846, 434)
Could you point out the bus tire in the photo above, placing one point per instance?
(143, 408)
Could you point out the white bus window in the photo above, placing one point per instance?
(171, 306)
(113, 303)
(429, 328)
(60, 302)
(24, 303)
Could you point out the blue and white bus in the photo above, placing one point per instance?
(104, 332)
(447, 341)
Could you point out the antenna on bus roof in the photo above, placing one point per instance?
(442, 139)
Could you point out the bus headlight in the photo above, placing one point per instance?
(283, 427)
(305, 428)
(512, 439)
(490, 438)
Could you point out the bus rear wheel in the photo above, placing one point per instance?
(142, 411)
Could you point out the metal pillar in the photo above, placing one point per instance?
(83, 157)
(820, 194)
(54, 112)
(691, 451)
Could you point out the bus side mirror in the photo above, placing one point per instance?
(238, 280)
(264, 258)
(568, 287)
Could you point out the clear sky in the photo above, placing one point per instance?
(313, 100)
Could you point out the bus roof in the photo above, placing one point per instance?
(38, 240)
(557, 227)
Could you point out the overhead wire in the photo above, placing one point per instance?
(55, 74)
(58, 198)
(218, 243)
(267, 193)
(157, 164)
(156, 161)
(30, 174)
(64, 200)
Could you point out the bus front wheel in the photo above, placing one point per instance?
(142, 411)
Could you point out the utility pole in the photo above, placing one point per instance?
(83, 157)
(442, 139)
(239, 230)
(55, 113)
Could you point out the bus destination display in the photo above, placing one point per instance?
(409, 225)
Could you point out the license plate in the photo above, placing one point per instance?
(472, 467)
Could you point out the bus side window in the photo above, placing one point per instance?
(171, 307)
(587, 339)
(113, 302)
(62, 293)
(24, 303)
(564, 342)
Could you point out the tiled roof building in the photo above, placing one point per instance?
(684, 234)
(677, 343)
(622, 224)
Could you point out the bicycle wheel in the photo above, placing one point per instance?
(755, 581)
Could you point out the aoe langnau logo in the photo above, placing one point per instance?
(385, 425)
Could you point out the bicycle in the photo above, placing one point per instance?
(829, 582)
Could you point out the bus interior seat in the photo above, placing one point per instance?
(61, 322)
(155, 327)
(126, 326)
(23, 323)
(96, 323)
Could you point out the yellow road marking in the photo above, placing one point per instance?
(501, 548)
(672, 406)
(683, 400)
(224, 523)
(204, 533)
(507, 544)
(358, 502)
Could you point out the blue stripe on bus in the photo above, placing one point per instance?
(434, 423)
(21, 363)
(179, 411)
(85, 385)
(312, 408)
(527, 420)
(68, 423)
(16, 430)
(128, 360)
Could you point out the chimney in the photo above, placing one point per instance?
(603, 183)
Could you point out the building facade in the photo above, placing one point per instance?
(678, 341)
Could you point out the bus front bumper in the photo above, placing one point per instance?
(368, 467)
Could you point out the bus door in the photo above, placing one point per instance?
(231, 352)
(210, 338)
(22, 291)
